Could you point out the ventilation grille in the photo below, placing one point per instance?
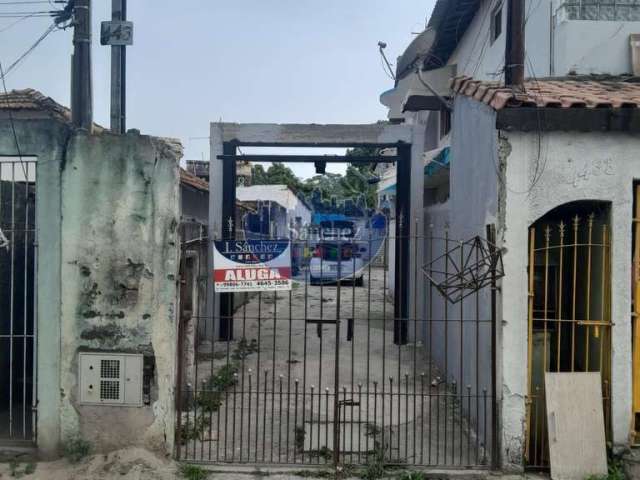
(110, 378)
(109, 389)
(110, 368)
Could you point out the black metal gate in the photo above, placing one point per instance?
(328, 373)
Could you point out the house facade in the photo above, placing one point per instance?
(90, 261)
(552, 164)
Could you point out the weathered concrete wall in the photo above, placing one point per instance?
(120, 213)
(575, 166)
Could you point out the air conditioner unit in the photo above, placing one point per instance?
(110, 379)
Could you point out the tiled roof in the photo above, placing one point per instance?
(30, 99)
(191, 180)
(552, 93)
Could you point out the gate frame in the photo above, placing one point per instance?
(225, 138)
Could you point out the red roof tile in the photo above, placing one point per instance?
(187, 178)
(552, 93)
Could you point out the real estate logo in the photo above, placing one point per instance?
(251, 265)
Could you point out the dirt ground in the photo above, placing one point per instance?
(140, 464)
(126, 464)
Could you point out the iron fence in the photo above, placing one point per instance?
(328, 373)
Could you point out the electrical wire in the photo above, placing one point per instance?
(46, 33)
(12, 24)
(38, 2)
(13, 126)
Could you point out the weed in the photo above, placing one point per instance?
(75, 449)
(314, 474)
(299, 434)
(375, 466)
(30, 468)
(615, 471)
(413, 476)
(193, 429)
(193, 472)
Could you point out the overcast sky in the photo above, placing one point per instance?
(197, 61)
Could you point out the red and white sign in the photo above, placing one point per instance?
(251, 265)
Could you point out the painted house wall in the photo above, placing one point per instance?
(45, 139)
(477, 56)
(555, 46)
(472, 204)
(577, 166)
(107, 211)
(592, 47)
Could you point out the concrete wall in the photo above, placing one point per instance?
(478, 57)
(120, 211)
(107, 217)
(46, 140)
(576, 166)
(555, 46)
(591, 47)
(473, 203)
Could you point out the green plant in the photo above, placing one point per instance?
(299, 434)
(615, 471)
(375, 465)
(413, 476)
(75, 449)
(193, 429)
(30, 468)
(193, 472)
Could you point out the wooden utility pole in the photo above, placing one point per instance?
(514, 53)
(118, 33)
(81, 88)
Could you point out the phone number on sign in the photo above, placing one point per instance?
(257, 285)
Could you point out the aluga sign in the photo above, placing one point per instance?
(251, 265)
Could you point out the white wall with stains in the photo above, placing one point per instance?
(574, 166)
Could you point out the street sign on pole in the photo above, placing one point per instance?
(116, 33)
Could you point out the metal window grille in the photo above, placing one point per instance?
(18, 327)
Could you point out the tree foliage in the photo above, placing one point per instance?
(352, 185)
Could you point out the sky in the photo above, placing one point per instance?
(197, 61)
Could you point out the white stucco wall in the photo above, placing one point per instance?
(476, 56)
(576, 166)
(472, 205)
(280, 194)
(589, 47)
(554, 45)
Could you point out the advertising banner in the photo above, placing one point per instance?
(251, 265)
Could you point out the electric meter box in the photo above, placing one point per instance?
(111, 379)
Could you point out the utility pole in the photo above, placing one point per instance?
(118, 73)
(118, 33)
(514, 53)
(81, 87)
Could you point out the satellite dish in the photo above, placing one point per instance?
(418, 48)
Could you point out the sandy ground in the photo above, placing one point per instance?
(140, 464)
(126, 464)
(286, 384)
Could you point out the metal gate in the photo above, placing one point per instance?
(17, 300)
(569, 324)
(327, 373)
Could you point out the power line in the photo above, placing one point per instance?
(11, 67)
(39, 2)
(12, 24)
(13, 127)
